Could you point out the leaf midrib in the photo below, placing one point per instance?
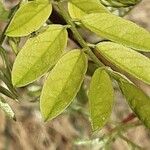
(63, 88)
(123, 67)
(79, 7)
(33, 16)
(52, 42)
(116, 38)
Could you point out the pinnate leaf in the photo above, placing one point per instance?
(38, 55)
(62, 84)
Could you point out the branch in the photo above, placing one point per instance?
(129, 118)
(77, 35)
(56, 18)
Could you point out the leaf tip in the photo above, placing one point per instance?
(45, 117)
(96, 127)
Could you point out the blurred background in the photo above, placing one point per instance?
(71, 130)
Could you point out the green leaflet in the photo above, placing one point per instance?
(29, 18)
(6, 92)
(128, 2)
(100, 99)
(38, 55)
(138, 101)
(7, 109)
(126, 59)
(121, 3)
(119, 30)
(79, 8)
(62, 84)
(3, 13)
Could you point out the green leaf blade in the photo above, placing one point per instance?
(62, 84)
(100, 98)
(7, 109)
(79, 8)
(126, 59)
(38, 55)
(118, 30)
(138, 101)
(29, 18)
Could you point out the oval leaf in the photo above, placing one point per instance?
(79, 8)
(119, 30)
(38, 55)
(126, 59)
(100, 99)
(29, 18)
(63, 84)
(138, 101)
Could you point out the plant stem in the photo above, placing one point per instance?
(11, 16)
(5, 60)
(130, 142)
(5, 75)
(129, 118)
(118, 130)
(77, 35)
(7, 81)
(81, 41)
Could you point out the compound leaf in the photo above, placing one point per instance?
(118, 30)
(62, 84)
(29, 18)
(100, 98)
(39, 54)
(126, 59)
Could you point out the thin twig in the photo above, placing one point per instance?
(77, 35)
(129, 118)
(130, 142)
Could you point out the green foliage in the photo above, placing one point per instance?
(6, 108)
(63, 83)
(29, 17)
(39, 54)
(121, 3)
(6, 92)
(126, 59)
(118, 30)
(138, 101)
(79, 8)
(100, 98)
(43, 52)
(3, 13)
